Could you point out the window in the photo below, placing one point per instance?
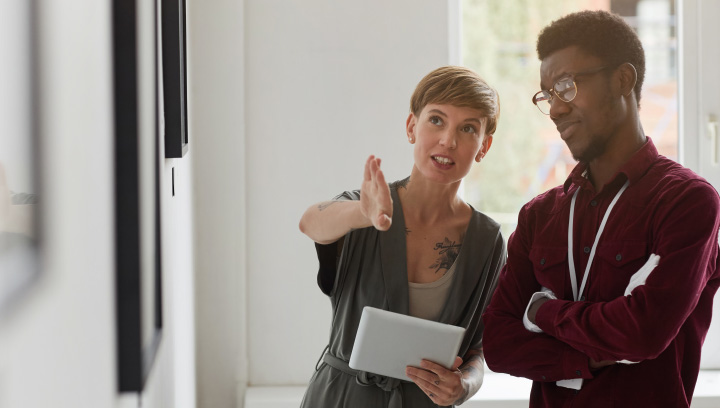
(499, 42)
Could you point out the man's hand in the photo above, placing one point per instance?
(596, 365)
(536, 300)
(534, 308)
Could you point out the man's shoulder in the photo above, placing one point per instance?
(548, 202)
(664, 165)
(669, 175)
(668, 181)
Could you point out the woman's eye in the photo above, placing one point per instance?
(435, 120)
(468, 129)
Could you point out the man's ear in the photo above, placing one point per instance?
(627, 78)
(410, 127)
(484, 148)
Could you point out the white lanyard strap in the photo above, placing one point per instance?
(571, 261)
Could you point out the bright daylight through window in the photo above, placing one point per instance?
(528, 157)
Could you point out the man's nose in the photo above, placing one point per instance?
(558, 108)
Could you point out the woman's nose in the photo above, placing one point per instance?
(448, 139)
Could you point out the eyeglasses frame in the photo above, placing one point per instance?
(572, 77)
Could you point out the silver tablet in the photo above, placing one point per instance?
(387, 342)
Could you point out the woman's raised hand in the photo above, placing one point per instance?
(375, 201)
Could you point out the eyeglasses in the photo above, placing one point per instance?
(565, 89)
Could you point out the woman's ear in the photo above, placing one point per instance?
(627, 75)
(410, 127)
(484, 148)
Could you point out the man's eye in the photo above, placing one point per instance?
(436, 120)
(563, 85)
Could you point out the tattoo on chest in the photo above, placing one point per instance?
(447, 253)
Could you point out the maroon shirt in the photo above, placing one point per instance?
(667, 210)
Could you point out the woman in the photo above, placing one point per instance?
(412, 247)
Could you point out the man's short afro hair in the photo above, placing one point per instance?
(599, 33)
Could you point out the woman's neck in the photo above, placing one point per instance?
(429, 201)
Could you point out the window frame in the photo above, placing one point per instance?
(699, 57)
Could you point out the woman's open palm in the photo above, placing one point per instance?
(375, 200)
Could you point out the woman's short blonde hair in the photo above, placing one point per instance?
(457, 86)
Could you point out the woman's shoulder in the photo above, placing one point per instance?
(484, 223)
(399, 183)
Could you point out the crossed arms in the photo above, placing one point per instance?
(634, 328)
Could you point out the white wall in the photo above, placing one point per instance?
(288, 100)
(57, 344)
(327, 84)
(216, 93)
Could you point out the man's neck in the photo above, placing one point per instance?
(602, 169)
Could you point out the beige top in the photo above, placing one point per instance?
(426, 300)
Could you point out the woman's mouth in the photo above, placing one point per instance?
(445, 161)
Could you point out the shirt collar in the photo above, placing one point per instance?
(633, 169)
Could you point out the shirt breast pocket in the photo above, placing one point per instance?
(617, 262)
(550, 268)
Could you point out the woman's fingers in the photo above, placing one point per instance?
(457, 364)
(379, 176)
(384, 200)
(426, 377)
(436, 393)
(444, 385)
(367, 168)
(375, 195)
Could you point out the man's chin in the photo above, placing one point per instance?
(587, 154)
(578, 154)
(584, 159)
(576, 151)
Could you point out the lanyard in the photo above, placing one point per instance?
(571, 261)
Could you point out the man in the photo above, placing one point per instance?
(607, 293)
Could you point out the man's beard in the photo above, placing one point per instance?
(596, 148)
(599, 141)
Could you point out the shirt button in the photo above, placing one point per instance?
(587, 250)
(593, 203)
(578, 373)
(618, 257)
(543, 377)
(542, 261)
(582, 299)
